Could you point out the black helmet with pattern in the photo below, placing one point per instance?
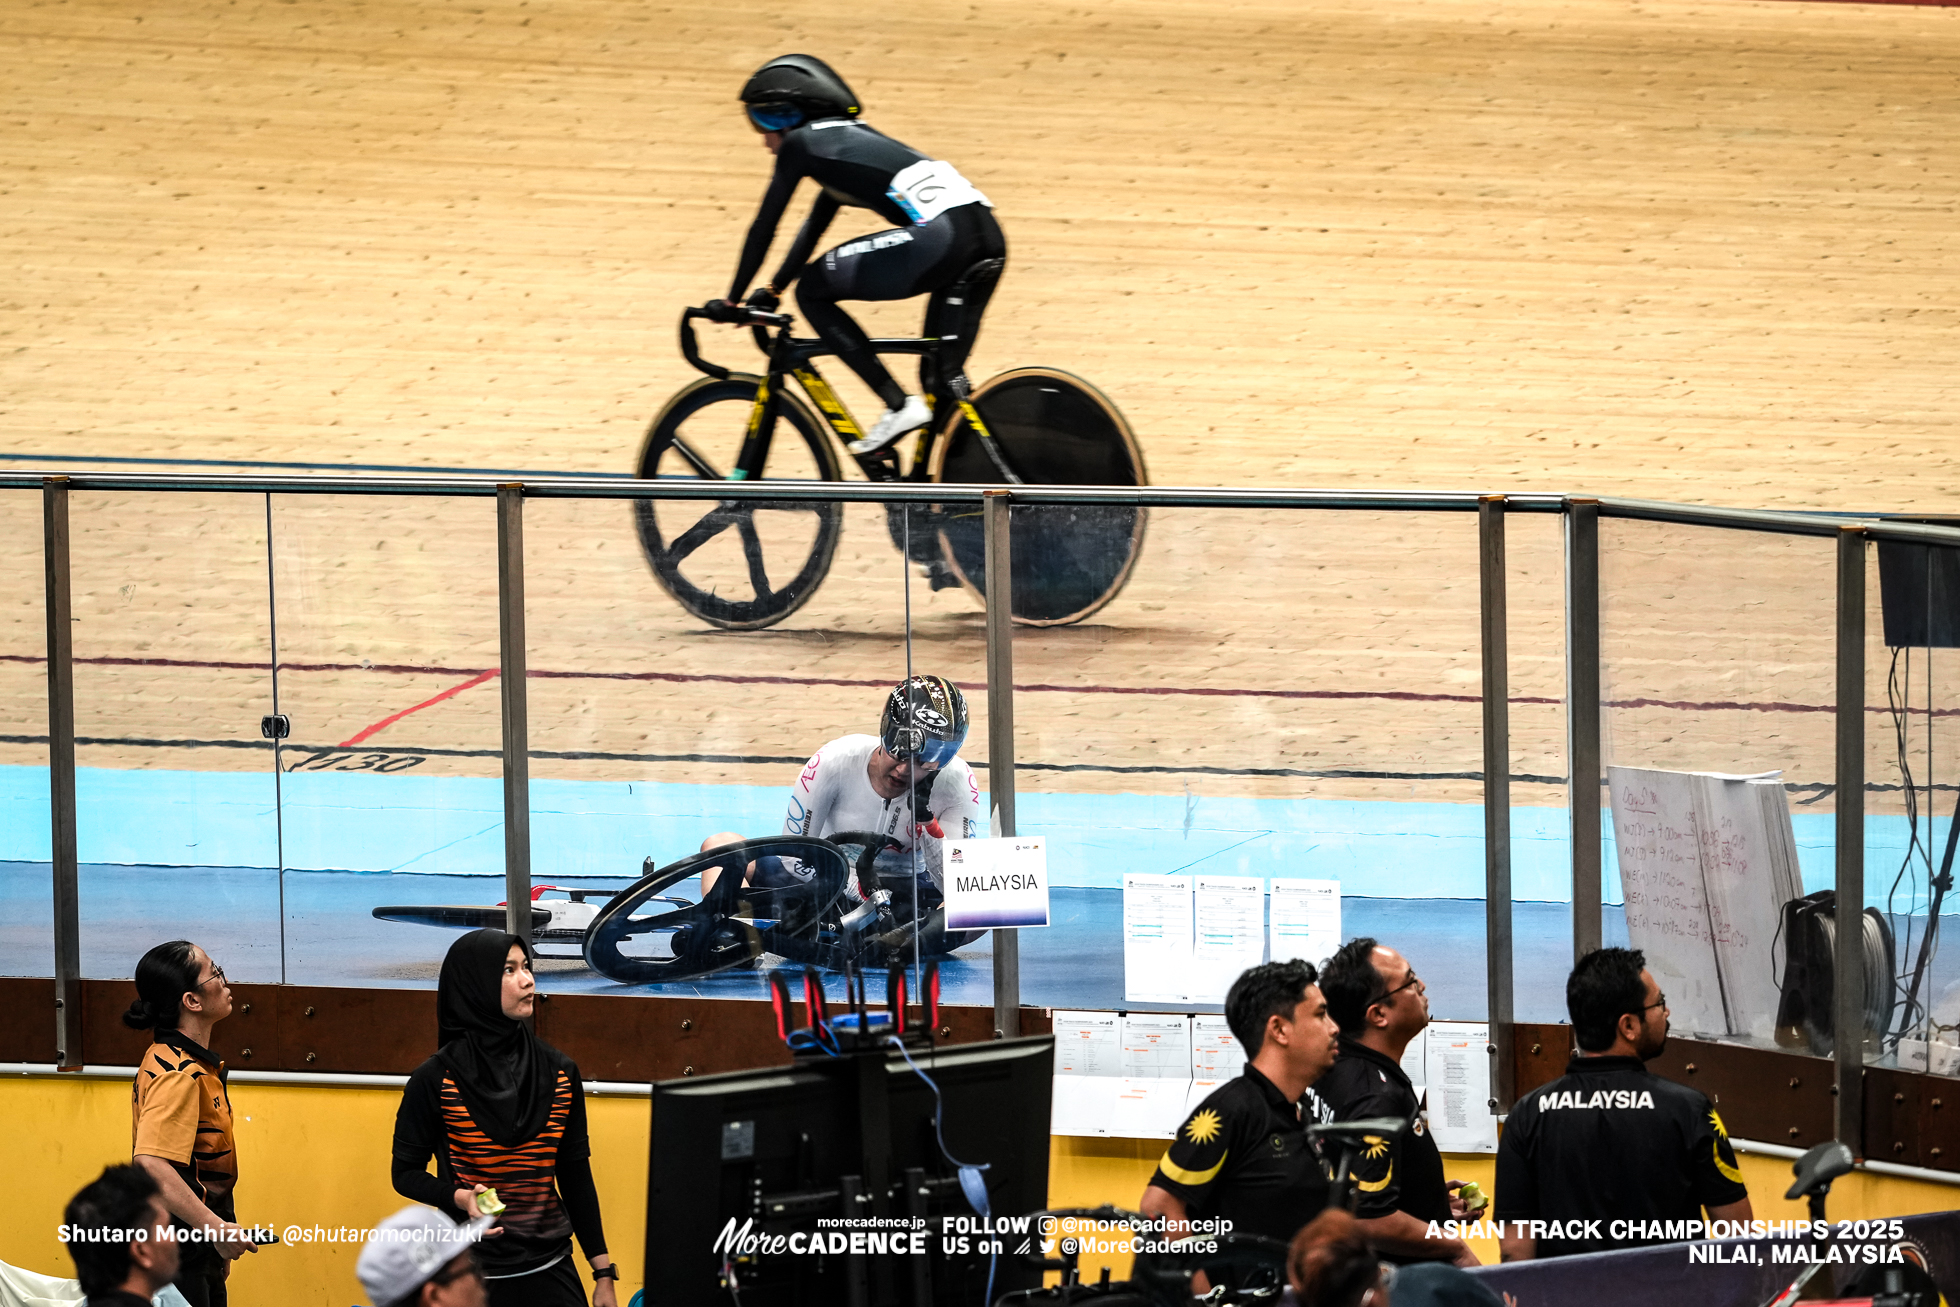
(793, 89)
(925, 721)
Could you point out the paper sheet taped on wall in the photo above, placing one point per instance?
(1088, 1044)
(1157, 1046)
(1216, 1053)
(1134, 1075)
(1457, 1058)
(1229, 933)
(1187, 938)
(1305, 919)
(1120, 1076)
(1157, 939)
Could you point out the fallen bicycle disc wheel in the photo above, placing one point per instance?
(813, 938)
(646, 935)
(1056, 430)
(737, 564)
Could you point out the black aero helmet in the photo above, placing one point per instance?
(924, 722)
(792, 89)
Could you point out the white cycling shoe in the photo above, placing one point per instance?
(896, 422)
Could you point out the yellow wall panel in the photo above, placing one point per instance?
(318, 1157)
(308, 1157)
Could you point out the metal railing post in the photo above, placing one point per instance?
(1848, 961)
(61, 777)
(1582, 751)
(1000, 738)
(517, 755)
(1497, 795)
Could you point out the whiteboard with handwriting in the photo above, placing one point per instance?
(1707, 861)
(1654, 825)
(1749, 871)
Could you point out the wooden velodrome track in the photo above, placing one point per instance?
(1698, 251)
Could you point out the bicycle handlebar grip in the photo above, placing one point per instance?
(690, 348)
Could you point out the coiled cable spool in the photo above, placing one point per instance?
(1809, 972)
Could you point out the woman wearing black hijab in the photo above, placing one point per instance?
(501, 1109)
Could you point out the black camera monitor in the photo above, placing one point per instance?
(825, 1183)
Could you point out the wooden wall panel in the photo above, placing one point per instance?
(27, 1019)
(391, 1031)
(1762, 1094)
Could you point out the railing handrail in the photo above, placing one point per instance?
(1772, 521)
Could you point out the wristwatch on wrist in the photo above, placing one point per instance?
(605, 1272)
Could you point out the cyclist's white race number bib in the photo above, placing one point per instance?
(930, 187)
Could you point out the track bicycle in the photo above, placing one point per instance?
(744, 564)
(648, 933)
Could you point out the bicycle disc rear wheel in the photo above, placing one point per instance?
(1056, 430)
(737, 564)
(730, 925)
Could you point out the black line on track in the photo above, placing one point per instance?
(1819, 789)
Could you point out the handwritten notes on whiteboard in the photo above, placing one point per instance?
(1707, 861)
(1667, 906)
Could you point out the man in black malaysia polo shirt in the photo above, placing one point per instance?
(1606, 1141)
(1243, 1154)
(1379, 1004)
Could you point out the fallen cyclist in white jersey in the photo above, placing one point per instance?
(908, 787)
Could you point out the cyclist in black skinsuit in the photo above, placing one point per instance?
(942, 226)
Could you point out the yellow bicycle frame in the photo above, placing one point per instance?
(836, 414)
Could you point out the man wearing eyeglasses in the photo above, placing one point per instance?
(1380, 1005)
(1608, 1141)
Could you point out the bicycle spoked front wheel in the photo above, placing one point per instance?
(1056, 430)
(645, 935)
(737, 564)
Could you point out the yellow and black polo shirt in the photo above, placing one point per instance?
(1243, 1154)
(180, 1111)
(1403, 1173)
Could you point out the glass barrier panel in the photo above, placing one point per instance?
(1541, 822)
(176, 822)
(1717, 652)
(1267, 743)
(26, 890)
(391, 781)
(1912, 778)
(711, 696)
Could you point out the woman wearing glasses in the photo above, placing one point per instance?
(182, 1112)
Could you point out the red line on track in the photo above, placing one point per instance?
(450, 693)
(691, 678)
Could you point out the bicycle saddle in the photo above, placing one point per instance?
(1353, 1132)
(1817, 1168)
